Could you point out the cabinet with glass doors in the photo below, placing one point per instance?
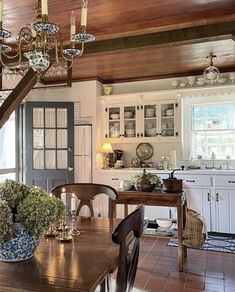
(121, 122)
(149, 121)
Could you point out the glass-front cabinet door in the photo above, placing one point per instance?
(130, 125)
(121, 122)
(168, 119)
(150, 120)
(114, 122)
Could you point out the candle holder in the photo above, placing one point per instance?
(64, 233)
(51, 232)
(74, 230)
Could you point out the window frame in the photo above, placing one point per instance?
(208, 97)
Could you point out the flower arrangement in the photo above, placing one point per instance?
(32, 207)
(145, 181)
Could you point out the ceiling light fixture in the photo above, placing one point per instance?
(37, 42)
(211, 73)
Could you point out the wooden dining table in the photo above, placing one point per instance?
(156, 198)
(80, 265)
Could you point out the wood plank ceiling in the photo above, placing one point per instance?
(137, 40)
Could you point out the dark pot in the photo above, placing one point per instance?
(172, 185)
(144, 186)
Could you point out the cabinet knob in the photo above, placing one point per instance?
(190, 180)
(114, 178)
(231, 181)
(208, 197)
(177, 134)
(142, 135)
(217, 197)
(138, 134)
(160, 134)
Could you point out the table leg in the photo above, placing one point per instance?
(184, 224)
(113, 209)
(180, 236)
(125, 210)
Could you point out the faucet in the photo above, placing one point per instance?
(227, 161)
(213, 157)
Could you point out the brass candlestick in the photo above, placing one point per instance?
(74, 230)
(51, 232)
(63, 232)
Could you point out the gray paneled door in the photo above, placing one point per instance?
(49, 143)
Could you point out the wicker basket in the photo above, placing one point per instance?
(194, 236)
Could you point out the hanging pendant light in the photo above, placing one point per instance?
(211, 73)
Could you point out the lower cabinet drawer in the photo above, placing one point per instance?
(197, 180)
(224, 181)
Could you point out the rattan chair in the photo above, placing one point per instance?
(85, 192)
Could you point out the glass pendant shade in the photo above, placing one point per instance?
(211, 73)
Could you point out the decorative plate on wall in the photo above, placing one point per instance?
(144, 151)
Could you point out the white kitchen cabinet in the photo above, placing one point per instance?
(121, 122)
(232, 210)
(214, 205)
(221, 211)
(148, 122)
(199, 199)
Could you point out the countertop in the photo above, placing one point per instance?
(182, 172)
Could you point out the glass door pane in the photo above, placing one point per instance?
(168, 120)
(129, 121)
(150, 120)
(114, 122)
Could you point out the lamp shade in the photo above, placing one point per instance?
(106, 148)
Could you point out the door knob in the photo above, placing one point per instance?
(71, 168)
(70, 149)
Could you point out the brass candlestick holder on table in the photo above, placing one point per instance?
(63, 232)
(74, 231)
(51, 232)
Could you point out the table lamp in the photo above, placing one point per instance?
(106, 149)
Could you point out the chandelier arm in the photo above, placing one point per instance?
(56, 53)
(68, 59)
(14, 65)
(71, 65)
(82, 49)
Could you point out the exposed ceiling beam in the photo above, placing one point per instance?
(211, 32)
(181, 36)
(17, 95)
(150, 77)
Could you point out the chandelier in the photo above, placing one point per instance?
(211, 73)
(42, 44)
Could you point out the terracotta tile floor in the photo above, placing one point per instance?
(204, 270)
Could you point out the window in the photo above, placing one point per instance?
(213, 130)
(8, 150)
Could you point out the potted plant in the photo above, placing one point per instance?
(26, 213)
(146, 181)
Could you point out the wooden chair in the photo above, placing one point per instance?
(86, 192)
(128, 257)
